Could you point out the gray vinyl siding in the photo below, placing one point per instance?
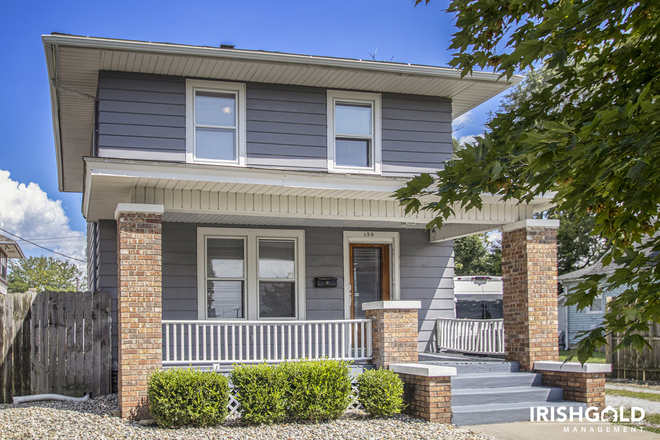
(579, 321)
(107, 273)
(142, 116)
(416, 133)
(286, 127)
(427, 275)
(92, 256)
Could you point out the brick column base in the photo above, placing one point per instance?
(580, 383)
(139, 304)
(394, 331)
(529, 269)
(427, 391)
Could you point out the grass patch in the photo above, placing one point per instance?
(597, 358)
(650, 423)
(636, 394)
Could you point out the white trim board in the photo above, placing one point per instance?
(238, 89)
(374, 100)
(251, 237)
(375, 237)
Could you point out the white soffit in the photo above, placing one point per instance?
(204, 193)
(74, 62)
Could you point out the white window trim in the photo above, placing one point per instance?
(374, 99)
(598, 297)
(215, 86)
(251, 237)
(373, 237)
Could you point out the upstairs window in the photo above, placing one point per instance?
(354, 124)
(215, 122)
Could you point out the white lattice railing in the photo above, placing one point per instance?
(478, 336)
(228, 342)
(233, 405)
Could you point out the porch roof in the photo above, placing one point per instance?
(74, 63)
(224, 195)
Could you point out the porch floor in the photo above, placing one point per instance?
(468, 363)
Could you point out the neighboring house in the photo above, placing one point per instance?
(256, 188)
(8, 249)
(572, 321)
(478, 297)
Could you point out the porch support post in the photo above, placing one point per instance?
(139, 275)
(529, 268)
(395, 331)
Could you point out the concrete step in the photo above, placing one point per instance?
(495, 380)
(510, 394)
(502, 413)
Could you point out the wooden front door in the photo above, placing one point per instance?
(370, 275)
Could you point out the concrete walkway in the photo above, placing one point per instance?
(557, 430)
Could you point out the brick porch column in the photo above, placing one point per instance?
(426, 391)
(394, 331)
(139, 269)
(529, 269)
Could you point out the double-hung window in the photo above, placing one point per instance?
(354, 126)
(251, 274)
(215, 122)
(3, 266)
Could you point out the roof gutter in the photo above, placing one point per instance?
(269, 57)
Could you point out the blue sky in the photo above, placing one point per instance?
(352, 29)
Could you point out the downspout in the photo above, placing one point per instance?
(37, 397)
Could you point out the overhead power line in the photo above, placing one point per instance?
(44, 248)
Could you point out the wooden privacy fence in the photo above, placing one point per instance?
(628, 363)
(55, 342)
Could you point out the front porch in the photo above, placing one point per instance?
(216, 293)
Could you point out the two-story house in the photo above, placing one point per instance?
(240, 202)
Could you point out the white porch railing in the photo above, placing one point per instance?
(477, 336)
(228, 342)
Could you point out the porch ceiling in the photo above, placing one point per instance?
(231, 195)
(74, 63)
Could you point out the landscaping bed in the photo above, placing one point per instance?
(93, 420)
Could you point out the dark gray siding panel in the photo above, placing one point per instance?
(286, 127)
(179, 271)
(141, 116)
(107, 274)
(427, 275)
(416, 133)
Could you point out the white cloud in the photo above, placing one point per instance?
(494, 235)
(469, 139)
(462, 120)
(26, 210)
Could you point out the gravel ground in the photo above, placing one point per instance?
(92, 420)
(649, 406)
(636, 388)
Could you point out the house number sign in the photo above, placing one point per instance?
(369, 234)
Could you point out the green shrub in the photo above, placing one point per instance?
(317, 390)
(380, 392)
(261, 392)
(180, 397)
